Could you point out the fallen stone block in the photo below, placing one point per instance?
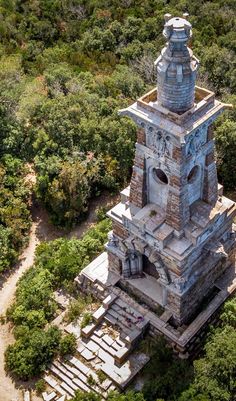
(87, 330)
(88, 355)
(121, 355)
(99, 314)
(27, 395)
(108, 340)
(109, 300)
(49, 396)
(62, 398)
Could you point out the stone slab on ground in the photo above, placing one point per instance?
(59, 366)
(62, 299)
(60, 390)
(78, 364)
(62, 398)
(63, 377)
(74, 328)
(99, 314)
(87, 354)
(108, 340)
(68, 389)
(27, 395)
(49, 396)
(122, 375)
(80, 385)
(50, 380)
(87, 330)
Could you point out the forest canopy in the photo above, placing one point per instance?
(67, 67)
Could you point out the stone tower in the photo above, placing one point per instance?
(173, 237)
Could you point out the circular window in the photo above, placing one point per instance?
(160, 176)
(193, 174)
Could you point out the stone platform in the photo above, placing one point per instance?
(183, 339)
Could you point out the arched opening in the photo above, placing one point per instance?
(160, 176)
(192, 175)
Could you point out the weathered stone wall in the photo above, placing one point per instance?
(185, 305)
(119, 230)
(114, 262)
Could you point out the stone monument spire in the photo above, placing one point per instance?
(176, 67)
(173, 238)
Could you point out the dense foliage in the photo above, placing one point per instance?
(66, 69)
(14, 210)
(56, 265)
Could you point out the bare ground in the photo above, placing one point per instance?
(41, 230)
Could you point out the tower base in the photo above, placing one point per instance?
(98, 280)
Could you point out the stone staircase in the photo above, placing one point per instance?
(105, 359)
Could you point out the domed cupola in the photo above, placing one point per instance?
(176, 67)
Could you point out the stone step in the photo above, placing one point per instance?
(104, 345)
(116, 346)
(68, 389)
(122, 354)
(82, 386)
(76, 372)
(60, 390)
(88, 330)
(92, 346)
(119, 305)
(62, 398)
(63, 377)
(82, 377)
(78, 364)
(105, 357)
(54, 384)
(124, 374)
(122, 318)
(63, 369)
(115, 322)
(132, 338)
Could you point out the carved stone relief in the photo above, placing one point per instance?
(195, 141)
(159, 142)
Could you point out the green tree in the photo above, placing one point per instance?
(31, 353)
(67, 345)
(226, 155)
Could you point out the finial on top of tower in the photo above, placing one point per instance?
(176, 66)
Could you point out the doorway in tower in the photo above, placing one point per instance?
(149, 268)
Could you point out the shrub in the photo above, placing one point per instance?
(40, 386)
(87, 319)
(67, 345)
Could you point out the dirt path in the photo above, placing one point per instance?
(41, 230)
(8, 392)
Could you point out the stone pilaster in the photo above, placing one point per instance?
(119, 230)
(177, 212)
(210, 184)
(138, 181)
